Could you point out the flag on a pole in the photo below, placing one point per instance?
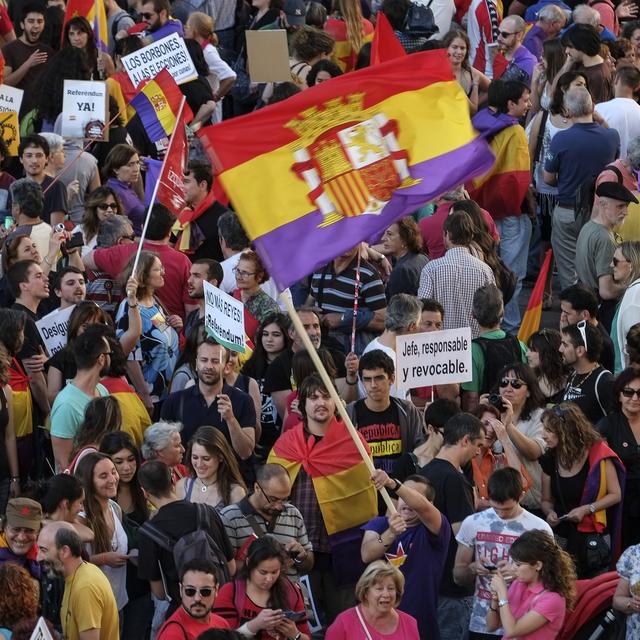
(171, 187)
(312, 176)
(385, 45)
(533, 314)
(94, 12)
(157, 103)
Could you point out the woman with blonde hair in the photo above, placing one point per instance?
(350, 31)
(379, 592)
(626, 271)
(222, 77)
(535, 603)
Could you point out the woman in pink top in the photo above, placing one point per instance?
(379, 592)
(534, 606)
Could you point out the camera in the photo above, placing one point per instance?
(495, 400)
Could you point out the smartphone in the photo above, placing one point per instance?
(490, 567)
(295, 616)
(8, 222)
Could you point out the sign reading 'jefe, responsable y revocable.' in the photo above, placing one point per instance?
(224, 318)
(169, 53)
(436, 357)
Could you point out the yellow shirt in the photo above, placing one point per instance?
(89, 603)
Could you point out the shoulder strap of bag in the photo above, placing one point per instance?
(595, 388)
(255, 525)
(540, 138)
(364, 626)
(159, 537)
(190, 483)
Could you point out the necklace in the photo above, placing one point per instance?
(586, 377)
(205, 486)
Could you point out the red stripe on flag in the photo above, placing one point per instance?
(533, 314)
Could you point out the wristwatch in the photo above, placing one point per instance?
(502, 602)
(592, 508)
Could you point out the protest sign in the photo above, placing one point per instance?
(41, 632)
(268, 56)
(168, 53)
(53, 329)
(10, 131)
(85, 110)
(224, 318)
(10, 98)
(436, 357)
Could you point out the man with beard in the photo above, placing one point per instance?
(92, 353)
(213, 402)
(89, 610)
(268, 510)
(26, 56)
(201, 270)
(70, 287)
(198, 590)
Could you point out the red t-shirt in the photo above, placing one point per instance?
(5, 21)
(176, 265)
(193, 628)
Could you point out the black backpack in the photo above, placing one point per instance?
(196, 544)
(497, 354)
(586, 195)
(420, 21)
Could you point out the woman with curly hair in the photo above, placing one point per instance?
(535, 603)
(19, 597)
(308, 46)
(582, 480)
(214, 475)
(349, 30)
(98, 205)
(543, 354)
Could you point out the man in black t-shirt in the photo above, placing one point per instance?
(174, 518)
(463, 435)
(590, 384)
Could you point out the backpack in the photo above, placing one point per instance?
(497, 354)
(419, 21)
(586, 195)
(196, 544)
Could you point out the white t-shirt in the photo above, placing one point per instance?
(218, 70)
(491, 538)
(532, 428)
(623, 115)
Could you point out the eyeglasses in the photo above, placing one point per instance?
(582, 328)
(628, 392)
(617, 261)
(131, 236)
(108, 205)
(514, 382)
(146, 16)
(243, 274)
(271, 499)
(506, 34)
(204, 592)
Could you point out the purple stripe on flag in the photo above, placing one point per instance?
(148, 117)
(153, 175)
(297, 249)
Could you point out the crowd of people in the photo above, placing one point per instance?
(156, 484)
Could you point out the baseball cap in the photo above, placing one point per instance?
(295, 11)
(24, 513)
(615, 191)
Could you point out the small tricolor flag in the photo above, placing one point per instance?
(340, 162)
(157, 104)
(533, 314)
(385, 45)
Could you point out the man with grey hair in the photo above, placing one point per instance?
(89, 610)
(576, 155)
(403, 316)
(551, 20)
(27, 207)
(492, 349)
(520, 61)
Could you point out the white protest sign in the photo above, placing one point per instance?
(224, 318)
(41, 632)
(169, 53)
(53, 329)
(84, 110)
(10, 98)
(435, 357)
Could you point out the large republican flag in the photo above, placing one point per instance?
(312, 176)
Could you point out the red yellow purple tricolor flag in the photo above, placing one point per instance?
(157, 104)
(342, 483)
(533, 314)
(336, 164)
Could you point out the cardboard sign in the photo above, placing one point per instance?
(41, 632)
(435, 357)
(85, 110)
(53, 329)
(10, 131)
(169, 53)
(224, 318)
(10, 98)
(268, 56)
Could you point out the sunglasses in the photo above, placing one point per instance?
(582, 328)
(506, 34)
(617, 261)
(628, 392)
(108, 205)
(146, 16)
(513, 382)
(559, 412)
(204, 592)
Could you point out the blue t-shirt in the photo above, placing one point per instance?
(425, 557)
(578, 153)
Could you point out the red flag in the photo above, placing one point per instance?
(171, 180)
(385, 45)
(77, 8)
(533, 314)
